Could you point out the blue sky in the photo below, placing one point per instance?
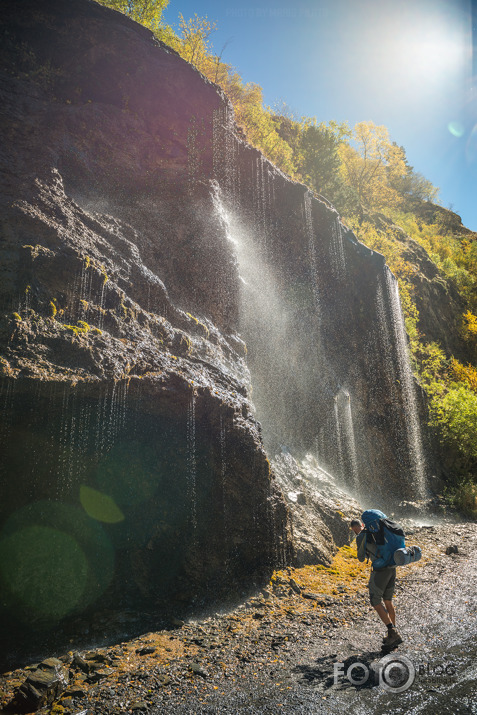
(406, 64)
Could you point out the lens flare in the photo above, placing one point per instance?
(456, 129)
(130, 473)
(54, 559)
(45, 569)
(100, 506)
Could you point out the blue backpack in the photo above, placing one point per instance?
(388, 536)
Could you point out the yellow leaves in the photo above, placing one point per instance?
(384, 242)
(470, 324)
(464, 373)
(260, 128)
(371, 164)
(433, 363)
(147, 12)
(467, 499)
(194, 42)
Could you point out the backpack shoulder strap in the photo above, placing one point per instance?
(393, 526)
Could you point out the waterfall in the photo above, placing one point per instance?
(227, 515)
(394, 336)
(266, 321)
(304, 314)
(338, 260)
(348, 431)
(275, 330)
(347, 454)
(225, 148)
(312, 251)
(101, 306)
(223, 468)
(192, 461)
(339, 441)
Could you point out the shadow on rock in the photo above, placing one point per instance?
(356, 671)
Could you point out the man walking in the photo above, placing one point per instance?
(380, 585)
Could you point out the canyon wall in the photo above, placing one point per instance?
(173, 310)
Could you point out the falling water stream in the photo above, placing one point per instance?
(312, 251)
(338, 260)
(339, 441)
(346, 439)
(274, 324)
(192, 461)
(394, 341)
(263, 312)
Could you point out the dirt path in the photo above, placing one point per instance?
(279, 651)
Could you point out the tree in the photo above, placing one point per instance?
(372, 167)
(412, 186)
(146, 12)
(194, 41)
(315, 151)
(321, 162)
(194, 45)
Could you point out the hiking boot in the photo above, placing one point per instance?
(386, 637)
(392, 640)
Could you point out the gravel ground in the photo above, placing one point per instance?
(279, 651)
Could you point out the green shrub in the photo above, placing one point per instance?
(455, 416)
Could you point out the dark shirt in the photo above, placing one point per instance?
(366, 547)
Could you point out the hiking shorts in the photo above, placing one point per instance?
(381, 585)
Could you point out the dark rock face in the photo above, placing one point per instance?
(133, 470)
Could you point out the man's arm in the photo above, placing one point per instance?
(361, 545)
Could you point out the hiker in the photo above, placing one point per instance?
(381, 583)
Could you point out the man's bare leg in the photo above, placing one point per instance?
(383, 614)
(391, 611)
(388, 616)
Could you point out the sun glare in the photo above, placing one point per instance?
(436, 57)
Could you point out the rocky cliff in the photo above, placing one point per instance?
(133, 468)
(155, 269)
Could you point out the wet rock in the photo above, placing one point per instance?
(163, 680)
(76, 692)
(97, 656)
(320, 599)
(177, 622)
(135, 331)
(453, 549)
(98, 674)
(198, 669)
(321, 516)
(44, 685)
(79, 663)
(294, 586)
